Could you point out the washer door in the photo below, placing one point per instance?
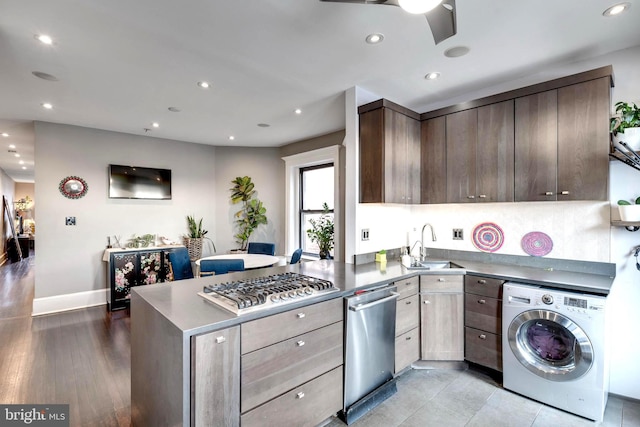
(550, 345)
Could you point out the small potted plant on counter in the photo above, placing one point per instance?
(625, 125)
(321, 232)
(629, 212)
(193, 240)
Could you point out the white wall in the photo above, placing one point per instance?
(69, 259)
(266, 169)
(580, 230)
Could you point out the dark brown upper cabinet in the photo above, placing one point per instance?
(389, 154)
(433, 161)
(462, 137)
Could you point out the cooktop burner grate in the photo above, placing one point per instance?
(248, 295)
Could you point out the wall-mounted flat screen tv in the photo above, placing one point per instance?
(134, 182)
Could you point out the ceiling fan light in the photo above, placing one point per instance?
(418, 6)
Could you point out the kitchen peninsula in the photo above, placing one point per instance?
(187, 354)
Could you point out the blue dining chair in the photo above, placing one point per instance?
(297, 254)
(180, 264)
(261, 248)
(220, 266)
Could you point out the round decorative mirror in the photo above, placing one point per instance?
(73, 187)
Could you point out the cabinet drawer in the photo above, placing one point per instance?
(407, 314)
(483, 286)
(483, 313)
(483, 348)
(306, 405)
(441, 283)
(407, 349)
(270, 330)
(273, 370)
(408, 287)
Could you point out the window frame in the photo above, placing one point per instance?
(302, 211)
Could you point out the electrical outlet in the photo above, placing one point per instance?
(365, 234)
(70, 220)
(457, 234)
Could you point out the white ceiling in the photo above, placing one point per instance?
(120, 63)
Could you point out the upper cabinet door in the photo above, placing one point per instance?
(536, 161)
(433, 161)
(462, 134)
(372, 167)
(494, 156)
(583, 140)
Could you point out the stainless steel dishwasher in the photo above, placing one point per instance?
(369, 350)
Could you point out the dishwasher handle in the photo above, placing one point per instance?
(394, 295)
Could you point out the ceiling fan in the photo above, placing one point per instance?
(441, 14)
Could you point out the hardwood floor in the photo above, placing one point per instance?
(79, 357)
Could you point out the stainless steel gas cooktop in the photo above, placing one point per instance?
(260, 293)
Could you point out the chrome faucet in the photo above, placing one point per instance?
(423, 249)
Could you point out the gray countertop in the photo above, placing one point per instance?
(179, 302)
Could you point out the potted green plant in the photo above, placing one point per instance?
(252, 214)
(625, 125)
(322, 232)
(194, 238)
(629, 212)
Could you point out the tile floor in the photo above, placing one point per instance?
(448, 398)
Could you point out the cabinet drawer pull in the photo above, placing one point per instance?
(301, 315)
(441, 279)
(548, 193)
(482, 336)
(408, 302)
(220, 339)
(471, 197)
(300, 395)
(565, 193)
(407, 338)
(300, 343)
(482, 282)
(483, 196)
(481, 301)
(427, 301)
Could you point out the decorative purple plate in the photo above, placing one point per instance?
(537, 243)
(488, 237)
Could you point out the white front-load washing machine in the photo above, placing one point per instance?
(554, 348)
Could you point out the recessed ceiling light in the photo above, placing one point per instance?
(203, 85)
(16, 155)
(298, 111)
(6, 135)
(45, 76)
(432, 76)
(21, 162)
(263, 125)
(617, 9)
(231, 137)
(174, 109)
(47, 105)
(374, 38)
(12, 146)
(455, 52)
(43, 38)
(155, 124)
(418, 6)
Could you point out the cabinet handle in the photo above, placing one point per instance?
(441, 279)
(483, 196)
(565, 193)
(481, 301)
(301, 315)
(407, 338)
(482, 282)
(471, 197)
(220, 339)
(300, 395)
(300, 343)
(548, 193)
(482, 336)
(427, 301)
(408, 302)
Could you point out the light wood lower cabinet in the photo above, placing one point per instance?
(215, 378)
(407, 348)
(441, 317)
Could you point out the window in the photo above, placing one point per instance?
(316, 188)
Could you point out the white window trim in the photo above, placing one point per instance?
(293, 164)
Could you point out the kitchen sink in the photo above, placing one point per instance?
(432, 265)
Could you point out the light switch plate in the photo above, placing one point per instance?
(70, 220)
(365, 234)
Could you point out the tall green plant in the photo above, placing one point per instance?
(252, 214)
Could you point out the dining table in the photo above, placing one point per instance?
(251, 261)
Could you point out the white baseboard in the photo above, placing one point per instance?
(58, 303)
